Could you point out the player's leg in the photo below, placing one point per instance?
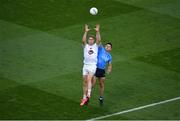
(101, 90)
(101, 86)
(93, 81)
(84, 86)
(90, 76)
(84, 100)
(89, 84)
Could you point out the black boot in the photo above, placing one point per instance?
(101, 100)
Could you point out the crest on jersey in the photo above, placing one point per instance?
(90, 52)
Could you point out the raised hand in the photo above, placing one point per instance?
(86, 28)
(97, 28)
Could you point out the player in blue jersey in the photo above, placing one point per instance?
(104, 62)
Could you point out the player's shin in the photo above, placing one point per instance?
(93, 81)
(89, 83)
(101, 85)
(84, 87)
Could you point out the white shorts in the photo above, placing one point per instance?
(89, 69)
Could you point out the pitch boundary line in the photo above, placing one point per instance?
(135, 109)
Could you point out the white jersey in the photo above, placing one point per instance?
(90, 54)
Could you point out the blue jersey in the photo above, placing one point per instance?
(104, 57)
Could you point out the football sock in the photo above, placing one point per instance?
(89, 93)
(84, 96)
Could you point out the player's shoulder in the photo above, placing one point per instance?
(84, 45)
(95, 45)
(100, 46)
(110, 56)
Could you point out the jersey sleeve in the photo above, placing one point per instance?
(100, 46)
(110, 59)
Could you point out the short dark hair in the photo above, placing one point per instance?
(92, 36)
(109, 43)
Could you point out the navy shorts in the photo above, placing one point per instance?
(100, 72)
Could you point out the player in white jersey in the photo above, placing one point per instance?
(90, 62)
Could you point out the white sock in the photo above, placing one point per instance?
(84, 96)
(89, 92)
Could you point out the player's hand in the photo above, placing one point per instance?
(97, 28)
(86, 28)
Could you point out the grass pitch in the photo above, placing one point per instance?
(41, 58)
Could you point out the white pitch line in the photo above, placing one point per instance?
(135, 109)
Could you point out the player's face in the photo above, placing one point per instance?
(108, 47)
(91, 40)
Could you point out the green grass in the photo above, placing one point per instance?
(41, 58)
(52, 14)
(37, 104)
(167, 59)
(171, 110)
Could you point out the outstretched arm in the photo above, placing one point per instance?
(86, 29)
(98, 36)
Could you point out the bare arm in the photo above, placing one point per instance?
(109, 68)
(98, 36)
(85, 34)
